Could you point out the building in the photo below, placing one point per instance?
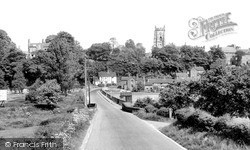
(154, 85)
(33, 47)
(127, 83)
(229, 52)
(159, 37)
(246, 58)
(107, 78)
(195, 73)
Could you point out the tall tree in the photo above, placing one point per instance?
(215, 53)
(237, 58)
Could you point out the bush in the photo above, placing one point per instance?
(238, 129)
(150, 109)
(176, 96)
(142, 103)
(101, 85)
(147, 116)
(32, 96)
(183, 114)
(46, 93)
(221, 123)
(163, 111)
(202, 120)
(80, 97)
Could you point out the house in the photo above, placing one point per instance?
(195, 73)
(96, 81)
(229, 52)
(127, 83)
(34, 47)
(107, 78)
(156, 84)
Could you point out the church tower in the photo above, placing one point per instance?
(159, 37)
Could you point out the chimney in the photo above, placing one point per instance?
(42, 40)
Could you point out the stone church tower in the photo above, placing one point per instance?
(159, 37)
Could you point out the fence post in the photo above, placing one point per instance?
(170, 113)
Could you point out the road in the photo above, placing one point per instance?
(114, 129)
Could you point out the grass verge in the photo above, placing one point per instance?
(195, 140)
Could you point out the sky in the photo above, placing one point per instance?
(96, 21)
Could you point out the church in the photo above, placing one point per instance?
(159, 37)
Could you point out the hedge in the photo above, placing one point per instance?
(235, 128)
(163, 111)
(150, 109)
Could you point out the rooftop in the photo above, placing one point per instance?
(228, 49)
(107, 74)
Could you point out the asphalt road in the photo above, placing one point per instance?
(114, 129)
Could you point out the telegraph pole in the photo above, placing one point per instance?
(86, 84)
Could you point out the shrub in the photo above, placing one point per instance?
(221, 123)
(238, 129)
(147, 116)
(183, 114)
(202, 120)
(142, 103)
(101, 85)
(175, 96)
(163, 111)
(80, 97)
(32, 96)
(47, 92)
(150, 108)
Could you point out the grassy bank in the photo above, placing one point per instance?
(20, 118)
(195, 140)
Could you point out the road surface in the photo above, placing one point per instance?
(114, 129)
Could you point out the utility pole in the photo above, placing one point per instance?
(89, 92)
(86, 84)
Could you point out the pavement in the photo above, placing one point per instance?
(113, 129)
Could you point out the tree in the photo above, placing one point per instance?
(130, 44)
(50, 38)
(99, 52)
(237, 58)
(215, 53)
(19, 80)
(230, 90)
(170, 58)
(8, 64)
(2, 82)
(176, 96)
(60, 60)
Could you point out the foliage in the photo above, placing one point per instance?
(176, 96)
(150, 109)
(2, 82)
(193, 140)
(147, 116)
(230, 88)
(191, 56)
(216, 52)
(183, 114)
(139, 87)
(99, 52)
(47, 93)
(202, 120)
(169, 56)
(163, 111)
(142, 103)
(237, 58)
